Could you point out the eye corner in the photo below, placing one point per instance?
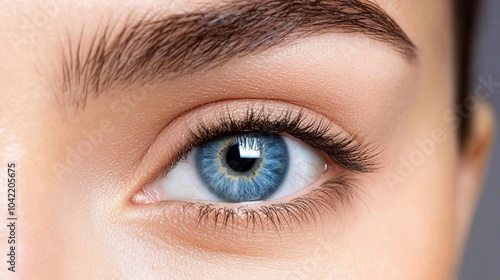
(145, 196)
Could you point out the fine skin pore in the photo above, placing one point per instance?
(84, 163)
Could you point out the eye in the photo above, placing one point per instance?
(254, 164)
(241, 168)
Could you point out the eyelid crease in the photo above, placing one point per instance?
(346, 151)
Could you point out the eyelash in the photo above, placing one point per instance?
(303, 210)
(342, 150)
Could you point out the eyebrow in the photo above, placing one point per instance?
(154, 47)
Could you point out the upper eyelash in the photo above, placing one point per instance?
(345, 151)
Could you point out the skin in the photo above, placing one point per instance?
(409, 221)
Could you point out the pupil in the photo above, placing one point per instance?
(236, 162)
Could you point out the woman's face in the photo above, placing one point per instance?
(326, 133)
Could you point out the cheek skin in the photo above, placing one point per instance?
(413, 220)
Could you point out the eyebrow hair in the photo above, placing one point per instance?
(153, 48)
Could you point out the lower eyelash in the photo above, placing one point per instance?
(334, 194)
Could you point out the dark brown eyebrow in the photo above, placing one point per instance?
(153, 47)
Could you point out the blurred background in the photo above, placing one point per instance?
(482, 258)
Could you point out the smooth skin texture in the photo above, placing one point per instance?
(76, 220)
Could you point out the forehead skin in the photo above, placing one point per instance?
(73, 227)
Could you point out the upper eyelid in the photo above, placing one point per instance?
(343, 150)
(163, 146)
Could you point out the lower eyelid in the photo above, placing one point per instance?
(256, 227)
(331, 192)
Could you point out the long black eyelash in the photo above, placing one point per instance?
(345, 151)
(332, 194)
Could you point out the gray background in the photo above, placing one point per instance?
(482, 258)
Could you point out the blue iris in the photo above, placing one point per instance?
(246, 167)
